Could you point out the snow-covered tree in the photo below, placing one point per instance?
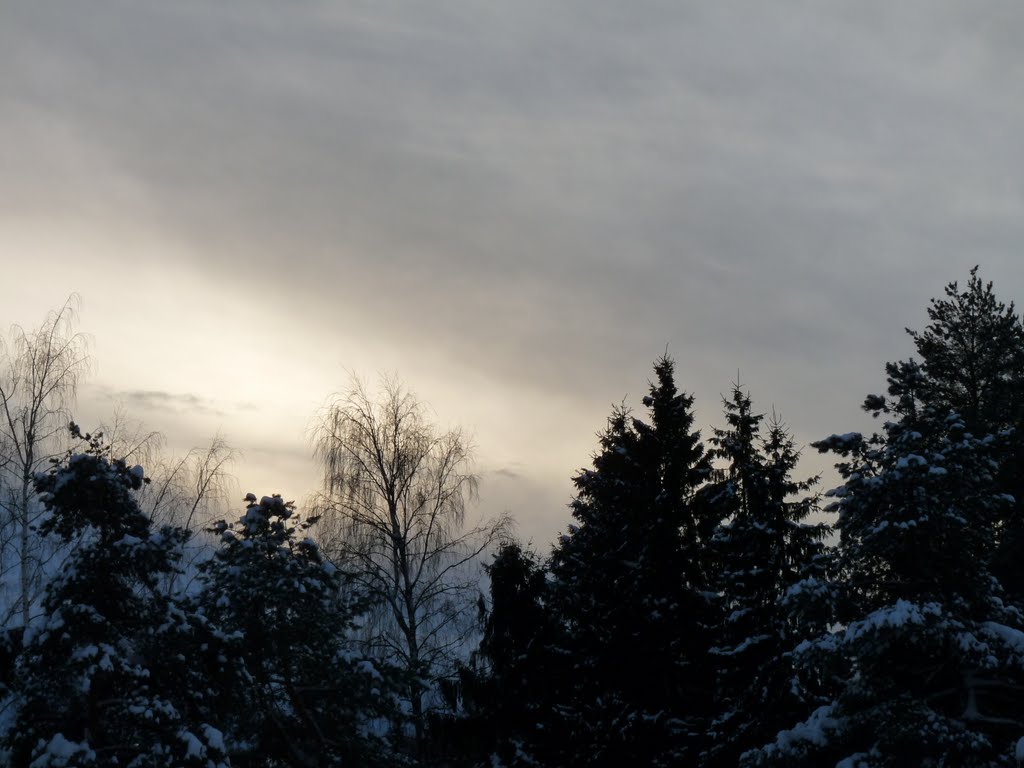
(763, 549)
(631, 585)
(929, 658)
(100, 679)
(972, 361)
(292, 692)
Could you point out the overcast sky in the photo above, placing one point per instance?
(515, 205)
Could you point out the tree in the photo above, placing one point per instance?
(972, 363)
(295, 693)
(763, 549)
(39, 374)
(631, 587)
(103, 676)
(929, 658)
(395, 491)
(190, 490)
(972, 356)
(505, 691)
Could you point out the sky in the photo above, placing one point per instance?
(515, 206)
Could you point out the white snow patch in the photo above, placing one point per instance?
(812, 730)
(1013, 638)
(213, 737)
(902, 613)
(60, 752)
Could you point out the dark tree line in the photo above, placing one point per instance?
(698, 611)
(697, 614)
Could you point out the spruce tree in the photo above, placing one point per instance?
(929, 655)
(763, 549)
(99, 680)
(293, 692)
(510, 715)
(631, 586)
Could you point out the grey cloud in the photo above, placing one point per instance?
(551, 194)
(158, 400)
(502, 472)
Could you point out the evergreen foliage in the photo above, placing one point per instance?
(293, 693)
(972, 356)
(931, 653)
(97, 681)
(507, 687)
(972, 362)
(765, 547)
(631, 585)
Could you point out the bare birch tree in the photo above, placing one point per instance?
(393, 507)
(189, 491)
(39, 375)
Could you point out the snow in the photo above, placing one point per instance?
(366, 667)
(213, 737)
(193, 746)
(814, 730)
(1013, 638)
(910, 460)
(60, 752)
(902, 613)
(859, 760)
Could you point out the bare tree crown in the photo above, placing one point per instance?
(395, 491)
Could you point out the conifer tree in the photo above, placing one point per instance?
(763, 549)
(929, 654)
(99, 680)
(294, 693)
(631, 586)
(510, 715)
(972, 361)
(972, 356)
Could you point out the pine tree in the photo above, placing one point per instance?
(97, 681)
(972, 357)
(930, 656)
(631, 586)
(763, 549)
(972, 360)
(294, 693)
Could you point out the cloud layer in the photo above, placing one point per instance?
(519, 205)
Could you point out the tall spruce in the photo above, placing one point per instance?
(631, 585)
(929, 658)
(102, 678)
(763, 549)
